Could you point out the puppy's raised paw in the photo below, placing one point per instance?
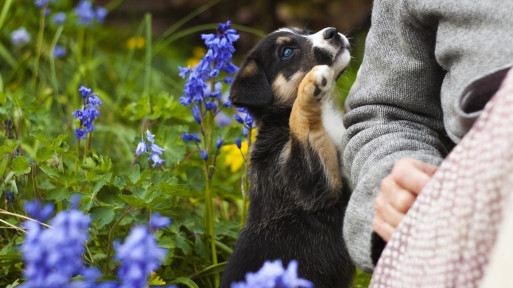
(317, 84)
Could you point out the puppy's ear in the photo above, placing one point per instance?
(250, 87)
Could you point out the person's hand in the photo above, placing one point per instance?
(398, 192)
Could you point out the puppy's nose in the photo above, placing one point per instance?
(329, 33)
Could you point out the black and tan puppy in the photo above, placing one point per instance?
(297, 200)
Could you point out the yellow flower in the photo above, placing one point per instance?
(135, 43)
(197, 53)
(233, 156)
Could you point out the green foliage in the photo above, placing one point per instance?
(139, 88)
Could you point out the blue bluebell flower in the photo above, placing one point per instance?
(245, 131)
(59, 18)
(238, 118)
(52, 256)
(150, 137)
(9, 197)
(139, 256)
(219, 142)
(40, 3)
(141, 148)
(85, 13)
(204, 154)
(158, 222)
(196, 113)
(155, 149)
(35, 211)
(238, 142)
(218, 57)
(157, 161)
(85, 91)
(223, 120)
(196, 137)
(211, 106)
(100, 14)
(186, 136)
(273, 275)
(59, 52)
(88, 114)
(20, 37)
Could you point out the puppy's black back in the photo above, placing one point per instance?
(277, 226)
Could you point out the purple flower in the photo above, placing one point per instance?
(183, 71)
(211, 106)
(59, 18)
(9, 197)
(139, 256)
(186, 136)
(223, 120)
(150, 137)
(157, 161)
(158, 222)
(238, 118)
(196, 137)
(88, 114)
(196, 114)
(59, 52)
(238, 142)
(219, 142)
(40, 3)
(141, 148)
(80, 133)
(52, 256)
(272, 274)
(34, 210)
(85, 13)
(101, 13)
(85, 91)
(155, 149)
(204, 155)
(20, 37)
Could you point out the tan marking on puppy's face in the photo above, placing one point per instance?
(285, 91)
(283, 40)
(249, 70)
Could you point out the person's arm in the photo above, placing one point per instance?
(394, 113)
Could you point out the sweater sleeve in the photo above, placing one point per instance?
(395, 112)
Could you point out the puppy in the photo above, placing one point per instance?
(297, 198)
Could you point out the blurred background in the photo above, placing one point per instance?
(351, 17)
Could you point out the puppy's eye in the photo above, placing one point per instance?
(286, 53)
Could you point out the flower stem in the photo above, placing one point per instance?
(39, 46)
(111, 237)
(78, 156)
(209, 203)
(245, 182)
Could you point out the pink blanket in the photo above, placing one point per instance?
(446, 238)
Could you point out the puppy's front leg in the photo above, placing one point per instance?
(308, 132)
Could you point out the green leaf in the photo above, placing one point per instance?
(3, 165)
(179, 190)
(109, 195)
(52, 173)
(104, 215)
(20, 166)
(59, 194)
(135, 175)
(44, 154)
(210, 270)
(133, 201)
(186, 281)
(181, 242)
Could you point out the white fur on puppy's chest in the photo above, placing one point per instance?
(332, 122)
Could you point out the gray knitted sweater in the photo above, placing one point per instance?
(428, 70)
